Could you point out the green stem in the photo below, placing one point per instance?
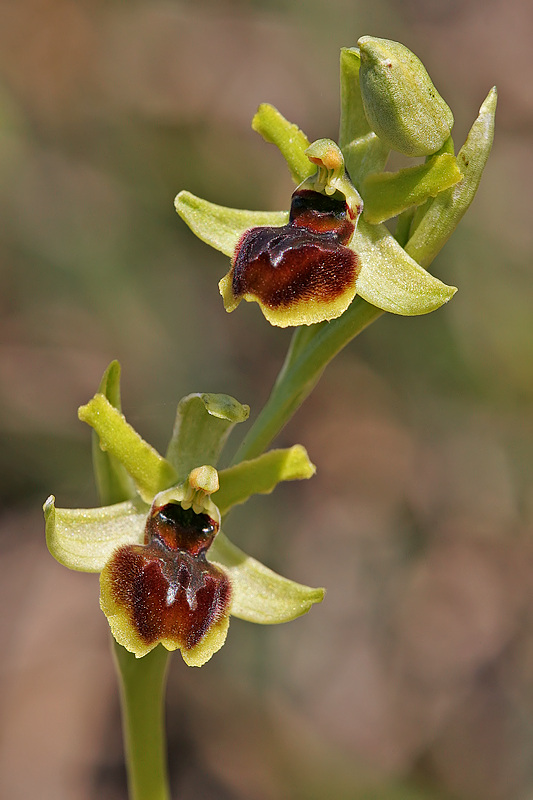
(142, 680)
(307, 358)
(143, 683)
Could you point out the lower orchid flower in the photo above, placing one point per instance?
(168, 573)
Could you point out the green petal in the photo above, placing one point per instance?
(113, 482)
(287, 137)
(261, 475)
(84, 539)
(260, 595)
(219, 226)
(203, 424)
(444, 213)
(409, 219)
(387, 194)
(392, 280)
(150, 471)
(363, 150)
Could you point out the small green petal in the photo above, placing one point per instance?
(445, 212)
(260, 595)
(150, 471)
(392, 280)
(261, 475)
(287, 137)
(219, 226)
(387, 194)
(363, 150)
(203, 424)
(113, 482)
(110, 384)
(84, 539)
(225, 407)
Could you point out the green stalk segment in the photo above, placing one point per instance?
(300, 373)
(142, 683)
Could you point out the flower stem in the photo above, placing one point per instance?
(310, 352)
(143, 683)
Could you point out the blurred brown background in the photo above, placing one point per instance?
(414, 679)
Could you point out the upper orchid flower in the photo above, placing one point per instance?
(168, 574)
(306, 266)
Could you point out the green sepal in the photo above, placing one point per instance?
(287, 137)
(261, 475)
(85, 538)
(363, 150)
(387, 194)
(259, 594)
(151, 472)
(112, 480)
(390, 279)
(219, 226)
(203, 424)
(447, 209)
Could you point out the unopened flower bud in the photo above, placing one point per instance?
(400, 101)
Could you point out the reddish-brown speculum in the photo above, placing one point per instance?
(305, 259)
(167, 585)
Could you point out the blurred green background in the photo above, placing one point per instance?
(414, 679)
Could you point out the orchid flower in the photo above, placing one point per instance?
(306, 265)
(167, 573)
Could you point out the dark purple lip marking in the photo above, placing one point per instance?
(303, 260)
(167, 586)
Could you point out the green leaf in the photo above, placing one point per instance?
(363, 150)
(392, 280)
(387, 194)
(219, 226)
(287, 137)
(260, 595)
(150, 471)
(445, 212)
(84, 539)
(261, 475)
(203, 424)
(113, 482)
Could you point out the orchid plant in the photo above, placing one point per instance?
(328, 267)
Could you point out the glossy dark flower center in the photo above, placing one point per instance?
(181, 529)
